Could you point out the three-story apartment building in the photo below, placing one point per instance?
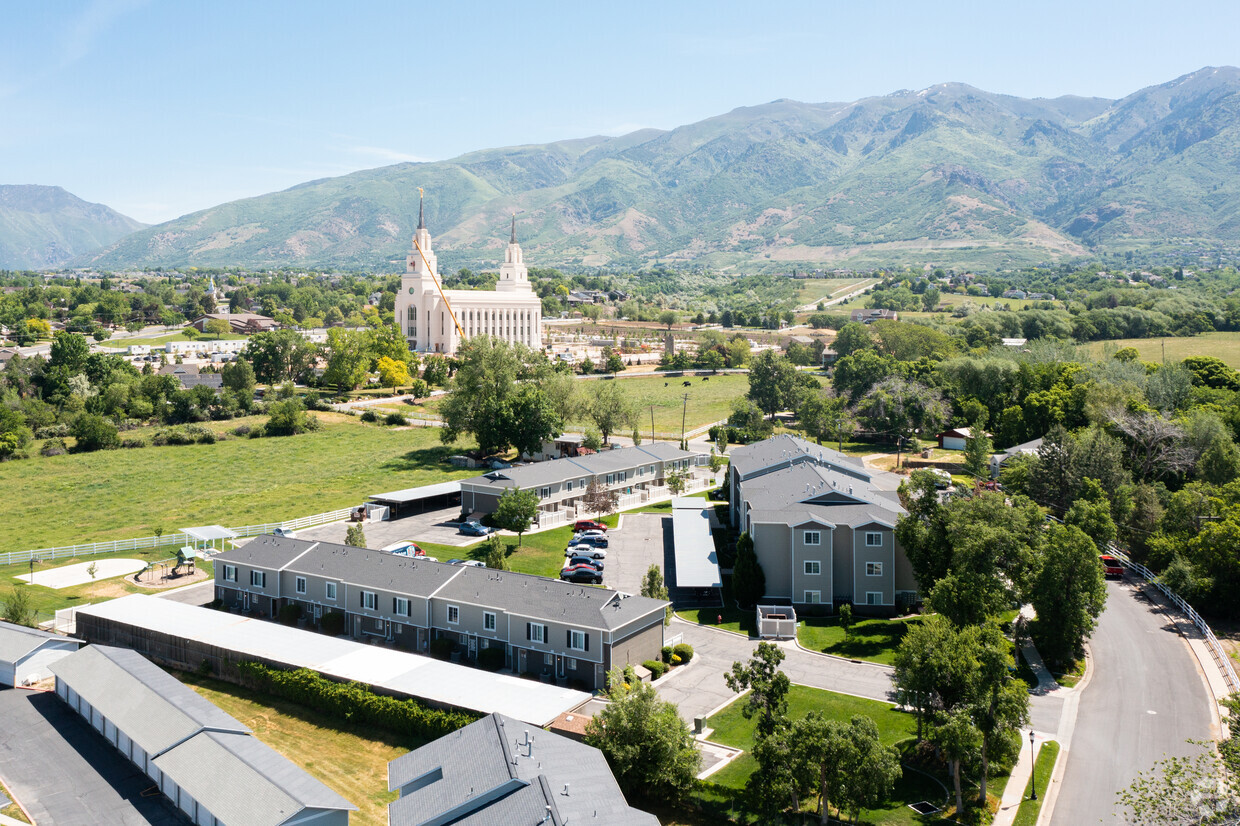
(575, 633)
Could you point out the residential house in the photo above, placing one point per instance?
(997, 460)
(867, 316)
(823, 526)
(954, 438)
(636, 474)
(190, 376)
(243, 323)
(512, 774)
(547, 627)
(1019, 294)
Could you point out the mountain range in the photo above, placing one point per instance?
(43, 227)
(944, 174)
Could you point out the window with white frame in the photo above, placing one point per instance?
(568, 486)
(488, 621)
(535, 632)
(369, 600)
(611, 478)
(873, 597)
(544, 493)
(230, 573)
(299, 584)
(548, 659)
(873, 569)
(873, 539)
(330, 590)
(813, 567)
(813, 537)
(641, 471)
(400, 607)
(258, 579)
(454, 614)
(813, 597)
(578, 640)
(571, 664)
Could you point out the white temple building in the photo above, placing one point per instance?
(424, 310)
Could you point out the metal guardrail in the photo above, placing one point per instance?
(176, 538)
(1221, 660)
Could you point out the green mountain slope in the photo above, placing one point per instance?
(44, 226)
(945, 173)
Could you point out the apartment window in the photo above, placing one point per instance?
(258, 579)
(873, 597)
(641, 471)
(369, 600)
(571, 664)
(488, 621)
(813, 567)
(611, 478)
(535, 632)
(813, 537)
(230, 573)
(578, 641)
(873, 539)
(873, 569)
(548, 659)
(813, 597)
(544, 493)
(299, 585)
(454, 615)
(330, 589)
(568, 486)
(400, 606)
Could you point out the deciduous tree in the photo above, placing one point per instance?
(1069, 593)
(767, 699)
(516, 511)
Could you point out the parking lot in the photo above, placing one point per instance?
(643, 539)
(432, 526)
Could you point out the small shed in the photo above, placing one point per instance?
(26, 653)
(955, 438)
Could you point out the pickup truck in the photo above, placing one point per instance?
(1111, 567)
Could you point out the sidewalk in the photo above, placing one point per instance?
(1046, 683)
(1014, 792)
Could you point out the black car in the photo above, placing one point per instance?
(583, 560)
(582, 574)
(596, 541)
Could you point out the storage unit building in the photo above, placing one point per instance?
(26, 653)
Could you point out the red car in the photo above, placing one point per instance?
(1111, 567)
(588, 525)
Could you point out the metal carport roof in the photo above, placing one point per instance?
(401, 497)
(697, 565)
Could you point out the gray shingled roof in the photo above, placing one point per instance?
(16, 641)
(788, 495)
(154, 709)
(241, 780)
(489, 758)
(771, 452)
(560, 470)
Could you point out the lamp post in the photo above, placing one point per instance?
(1033, 768)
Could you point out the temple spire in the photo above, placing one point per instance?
(513, 238)
(421, 223)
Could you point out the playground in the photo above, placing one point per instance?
(171, 573)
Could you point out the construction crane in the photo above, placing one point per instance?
(435, 278)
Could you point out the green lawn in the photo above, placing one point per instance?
(1027, 814)
(159, 341)
(814, 290)
(1225, 346)
(875, 640)
(46, 601)
(539, 553)
(116, 494)
(734, 619)
(12, 810)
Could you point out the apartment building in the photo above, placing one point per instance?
(571, 633)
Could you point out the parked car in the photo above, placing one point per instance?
(589, 525)
(586, 550)
(577, 537)
(405, 547)
(583, 560)
(596, 540)
(468, 563)
(582, 574)
(475, 528)
(288, 533)
(1111, 567)
(942, 479)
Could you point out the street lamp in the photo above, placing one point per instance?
(1033, 769)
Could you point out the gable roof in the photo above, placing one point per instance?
(16, 641)
(804, 491)
(770, 454)
(486, 773)
(153, 708)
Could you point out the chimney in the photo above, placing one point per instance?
(565, 792)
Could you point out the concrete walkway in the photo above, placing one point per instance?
(1046, 683)
(1014, 792)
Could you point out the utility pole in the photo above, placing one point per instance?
(652, 424)
(683, 416)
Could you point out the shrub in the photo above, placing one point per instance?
(657, 669)
(684, 651)
(370, 416)
(332, 623)
(133, 443)
(354, 702)
(241, 430)
(53, 431)
(95, 433)
(396, 420)
(53, 447)
(491, 659)
(666, 653)
(442, 648)
(290, 613)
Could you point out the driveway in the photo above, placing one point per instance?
(65, 773)
(431, 526)
(1146, 698)
(642, 540)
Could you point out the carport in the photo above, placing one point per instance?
(419, 500)
(696, 573)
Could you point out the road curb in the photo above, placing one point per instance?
(880, 666)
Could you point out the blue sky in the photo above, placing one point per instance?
(162, 107)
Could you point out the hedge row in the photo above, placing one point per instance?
(354, 702)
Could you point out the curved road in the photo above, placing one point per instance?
(1145, 699)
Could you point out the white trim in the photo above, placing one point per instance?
(816, 600)
(877, 544)
(494, 621)
(329, 584)
(869, 564)
(450, 611)
(817, 535)
(816, 563)
(878, 594)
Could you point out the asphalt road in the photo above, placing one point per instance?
(1146, 698)
(642, 540)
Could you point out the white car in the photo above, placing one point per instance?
(580, 535)
(586, 550)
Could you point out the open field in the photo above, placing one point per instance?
(351, 760)
(1225, 346)
(116, 494)
(813, 290)
(159, 341)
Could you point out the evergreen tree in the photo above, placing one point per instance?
(748, 579)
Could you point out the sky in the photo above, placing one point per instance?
(158, 108)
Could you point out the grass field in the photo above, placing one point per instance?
(351, 760)
(813, 290)
(159, 341)
(875, 640)
(12, 810)
(1027, 814)
(116, 494)
(1225, 346)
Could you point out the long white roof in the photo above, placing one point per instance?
(412, 674)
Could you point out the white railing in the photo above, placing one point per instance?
(549, 518)
(629, 500)
(1216, 650)
(175, 538)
